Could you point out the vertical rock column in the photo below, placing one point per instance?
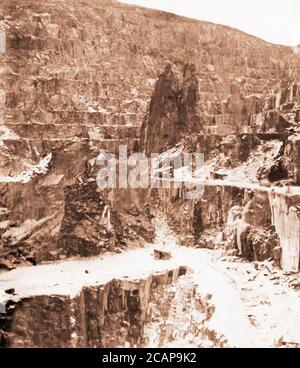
(286, 219)
(173, 110)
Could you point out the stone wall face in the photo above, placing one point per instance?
(80, 77)
(89, 318)
(93, 65)
(249, 223)
(172, 111)
(77, 77)
(286, 220)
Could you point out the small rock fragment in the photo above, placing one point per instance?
(10, 291)
(162, 255)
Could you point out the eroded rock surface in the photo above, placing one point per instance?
(172, 111)
(79, 78)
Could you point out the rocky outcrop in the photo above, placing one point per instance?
(249, 144)
(82, 77)
(291, 158)
(77, 77)
(257, 224)
(88, 319)
(172, 111)
(61, 212)
(286, 220)
(163, 303)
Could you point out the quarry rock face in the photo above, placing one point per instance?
(172, 111)
(80, 78)
(90, 317)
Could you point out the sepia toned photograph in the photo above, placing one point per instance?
(149, 176)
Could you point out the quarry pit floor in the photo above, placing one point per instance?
(256, 305)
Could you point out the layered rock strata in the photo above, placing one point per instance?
(77, 77)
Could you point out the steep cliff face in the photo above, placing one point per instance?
(172, 111)
(254, 218)
(52, 217)
(106, 310)
(286, 220)
(77, 77)
(81, 66)
(227, 216)
(89, 303)
(244, 159)
(160, 129)
(89, 319)
(290, 158)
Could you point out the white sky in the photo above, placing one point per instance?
(276, 21)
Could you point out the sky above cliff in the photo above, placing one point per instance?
(276, 21)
